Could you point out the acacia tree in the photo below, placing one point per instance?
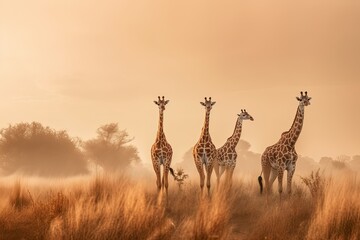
(111, 149)
(31, 148)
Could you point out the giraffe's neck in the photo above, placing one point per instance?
(205, 130)
(235, 137)
(296, 127)
(160, 133)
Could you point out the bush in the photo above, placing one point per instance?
(34, 149)
(180, 176)
(316, 184)
(110, 149)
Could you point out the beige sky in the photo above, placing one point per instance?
(75, 65)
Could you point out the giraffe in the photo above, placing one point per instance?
(204, 151)
(282, 155)
(226, 155)
(161, 151)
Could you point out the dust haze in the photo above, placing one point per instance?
(77, 122)
(59, 187)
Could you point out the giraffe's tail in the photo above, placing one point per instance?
(260, 183)
(172, 172)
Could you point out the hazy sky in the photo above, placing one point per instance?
(76, 65)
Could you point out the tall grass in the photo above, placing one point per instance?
(109, 207)
(283, 220)
(339, 215)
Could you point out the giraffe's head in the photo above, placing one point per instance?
(304, 99)
(161, 103)
(208, 104)
(244, 115)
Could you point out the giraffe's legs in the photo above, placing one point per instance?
(290, 174)
(165, 179)
(266, 172)
(209, 169)
(222, 170)
(273, 175)
(157, 172)
(229, 175)
(162, 179)
(280, 178)
(230, 170)
(216, 169)
(200, 169)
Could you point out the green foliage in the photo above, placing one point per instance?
(32, 148)
(110, 149)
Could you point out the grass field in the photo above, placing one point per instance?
(119, 207)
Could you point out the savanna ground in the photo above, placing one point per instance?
(119, 207)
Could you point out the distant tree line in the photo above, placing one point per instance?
(248, 162)
(31, 148)
(341, 162)
(34, 149)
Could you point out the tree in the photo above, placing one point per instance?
(326, 161)
(343, 158)
(341, 161)
(243, 146)
(110, 149)
(247, 162)
(31, 148)
(304, 165)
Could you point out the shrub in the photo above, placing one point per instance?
(32, 148)
(180, 176)
(110, 149)
(316, 184)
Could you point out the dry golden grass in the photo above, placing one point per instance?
(338, 217)
(121, 208)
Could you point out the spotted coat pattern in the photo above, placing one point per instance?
(282, 155)
(227, 155)
(161, 151)
(204, 151)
